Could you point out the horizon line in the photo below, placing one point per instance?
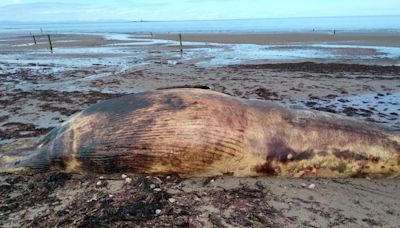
(146, 21)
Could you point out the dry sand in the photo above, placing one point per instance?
(35, 97)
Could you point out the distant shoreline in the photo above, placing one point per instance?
(272, 25)
(194, 20)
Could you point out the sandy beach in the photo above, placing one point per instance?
(360, 38)
(351, 74)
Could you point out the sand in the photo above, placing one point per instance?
(38, 91)
(360, 38)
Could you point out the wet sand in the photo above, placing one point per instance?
(38, 91)
(375, 39)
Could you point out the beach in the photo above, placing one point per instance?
(355, 38)
(355, 74)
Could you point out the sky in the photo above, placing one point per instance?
(159, 10)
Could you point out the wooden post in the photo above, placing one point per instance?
(180, 42)
(151, 35)
(34, 39)
(50, 44)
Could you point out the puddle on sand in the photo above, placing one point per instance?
(375, 107)
(217, 54)
(242, 53)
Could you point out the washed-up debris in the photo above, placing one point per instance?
(311, 186)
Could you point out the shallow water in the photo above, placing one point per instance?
(216, 54)
(324, 24)
(381, 108)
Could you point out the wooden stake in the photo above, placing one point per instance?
(51, 45)
(180, 42)
(34, 39)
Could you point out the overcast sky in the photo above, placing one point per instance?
(92, 10)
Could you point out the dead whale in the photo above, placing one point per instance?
(196, 132)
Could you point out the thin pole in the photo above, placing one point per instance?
(51, 45)
(180, 42)
(34, 38)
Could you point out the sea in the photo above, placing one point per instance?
(319, 24)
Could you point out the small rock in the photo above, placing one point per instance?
(110, 195)
(101, 178)
(168, 177)
(157, 189)
(158, 211)
(152, 186)
(172, 200)
(311, 186)
(123, 176)
(99, 183)
(128, 180)
(303, 185)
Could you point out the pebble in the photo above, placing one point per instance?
(128, 180)
(123, 176)
(157, 189)
(158, 211)
(152, 186)
(99, 183)
(311, 186)
(172, 200)
(55, 203)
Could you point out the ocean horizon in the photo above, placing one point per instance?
(271, 25)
